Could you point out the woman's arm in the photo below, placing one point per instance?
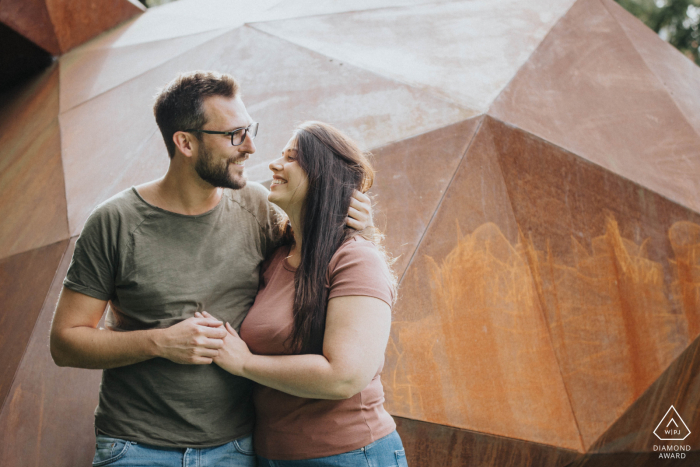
(356, 335)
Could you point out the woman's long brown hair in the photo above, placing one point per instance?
(335, 167)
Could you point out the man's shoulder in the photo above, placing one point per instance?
(251, 193)
(123, 205)
(252, 197)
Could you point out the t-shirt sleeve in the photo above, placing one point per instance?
(358, 268)
(92, 270)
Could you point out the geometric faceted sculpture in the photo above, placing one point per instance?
(538, 180)
(58, 26)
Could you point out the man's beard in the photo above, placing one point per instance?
(217, 176)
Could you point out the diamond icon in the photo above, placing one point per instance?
(672, 427)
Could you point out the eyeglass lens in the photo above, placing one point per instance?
(238, 137)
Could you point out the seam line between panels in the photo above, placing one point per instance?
(43, 304)
(663, 85)
(542, 305)
(529, 57)
(223, 31)
(420, 88)
(655, 391)
(442, 198)
(60, 151)
(583, 160)
(338, 13)
(493, 435)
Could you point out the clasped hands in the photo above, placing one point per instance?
(203, 340)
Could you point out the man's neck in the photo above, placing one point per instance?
(181, 191)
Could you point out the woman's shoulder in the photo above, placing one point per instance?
(358, 254)
(356, 247)
(359, 268)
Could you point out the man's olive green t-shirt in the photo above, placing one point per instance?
(157, 268)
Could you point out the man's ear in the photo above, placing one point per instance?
(183, 142)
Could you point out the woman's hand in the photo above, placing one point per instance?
(360, 212)
(234, 354)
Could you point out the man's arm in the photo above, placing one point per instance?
(360, 211)
(76, 340)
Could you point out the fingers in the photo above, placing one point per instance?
(207, 315)
(357, 208)
(231, 331)
(213, 332)
(211, 322)
(207, 353)
(360, 197)
(214, 344)
(202, 361)
(357, 215)
(353, 224)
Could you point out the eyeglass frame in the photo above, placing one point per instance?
(246, 130)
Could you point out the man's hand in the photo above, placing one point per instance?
(234, 353)
(360, 212)
(194, 341)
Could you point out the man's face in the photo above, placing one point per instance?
(217, 161)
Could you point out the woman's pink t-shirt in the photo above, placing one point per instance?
(289, 427)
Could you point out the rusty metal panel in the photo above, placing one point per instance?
(31, 19)
(47, 418)
(470, 346)
(412, 177)
(588, 90)
(677, 387)
(24, 281)
(33, 209)
(431, 445)
(607, 259)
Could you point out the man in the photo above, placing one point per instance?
(158, 253)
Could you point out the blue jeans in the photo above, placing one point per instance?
(385, 452)
(120, 453)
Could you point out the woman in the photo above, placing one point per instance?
(315, 337)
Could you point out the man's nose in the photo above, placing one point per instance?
(248, 145)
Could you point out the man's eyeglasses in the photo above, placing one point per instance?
(237, 135)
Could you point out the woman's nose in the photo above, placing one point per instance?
(276, 165)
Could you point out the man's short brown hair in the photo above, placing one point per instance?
(179, 105)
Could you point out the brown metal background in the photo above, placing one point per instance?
(538, 180)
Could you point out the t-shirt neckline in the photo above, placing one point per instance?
(177, 214)
(285, 261)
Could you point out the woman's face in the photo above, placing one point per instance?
(289, 181)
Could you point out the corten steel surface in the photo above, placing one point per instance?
(284, 84)
(46, 419)
(24, 282)
(58, 25)
(402, 175)
(537, 178)
(604, 102)
(31, 174)
(677, 386)
(442, 446)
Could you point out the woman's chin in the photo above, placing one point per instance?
(274, 198)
